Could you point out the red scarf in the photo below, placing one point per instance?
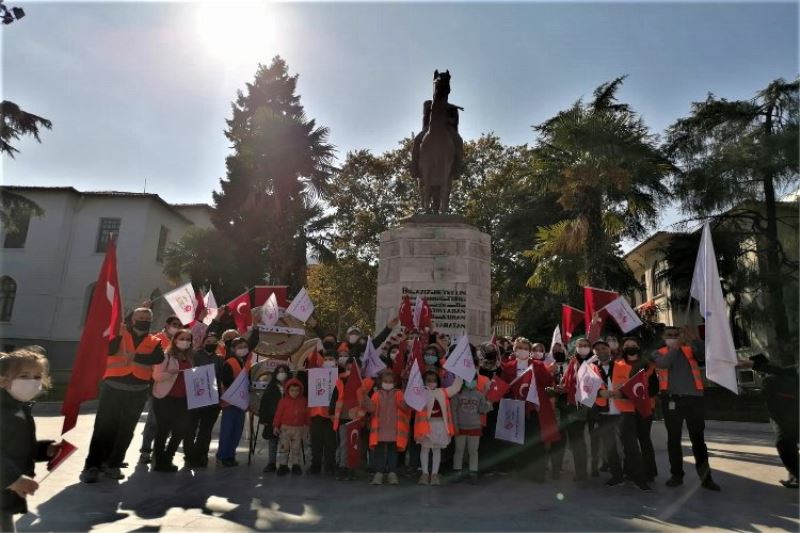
(570, 380)
(548, 425)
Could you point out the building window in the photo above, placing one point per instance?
(108, 227)
(16, 238)
(659, 283)
(8, 293)
(643, 291)
(163, 235)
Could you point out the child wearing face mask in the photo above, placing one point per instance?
(323, 438)
(434, 427)
(197, 440)
(290, 425)
(388, 428)
(22, 375)
(266, 412)
(169, 400)
(469, 406)
(347, 404)
(232, 424)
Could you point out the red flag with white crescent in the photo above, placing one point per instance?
(405, 313)
(497, 389)
(240, 309)
(635, 389)
(354, 442)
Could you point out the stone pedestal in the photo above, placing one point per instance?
(446, 261)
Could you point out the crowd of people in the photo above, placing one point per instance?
(454, 432)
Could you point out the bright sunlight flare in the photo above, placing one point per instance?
(236, 32)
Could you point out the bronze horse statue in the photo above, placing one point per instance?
(438, 150)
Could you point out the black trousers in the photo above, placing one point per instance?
(627, 431)
(118, 412)
(595, 440)
(606, 431)
(643, 425)
(532, 454)
(786, 444)
(7, 523)
(323, 444)
(688, 408)
(197, 440)
(172, 422)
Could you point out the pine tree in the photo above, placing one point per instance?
(268, 204)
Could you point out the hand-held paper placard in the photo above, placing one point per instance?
(511, 421)
(201, 387)
(321, 382)
(238, 393)
(460, 360)
(301, 307)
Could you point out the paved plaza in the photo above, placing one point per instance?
(744, 461)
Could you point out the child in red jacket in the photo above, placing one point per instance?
(291, 426)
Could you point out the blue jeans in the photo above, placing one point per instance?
(384, 457)
(230, 432)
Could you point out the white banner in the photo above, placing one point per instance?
(201, 386)
(460, 362)
(622, 313)
(321, 382)
(415, 395)
(270, 312)
(372, 361)
(238, 393)
(211, 307)
(587, 384)
(183, 303)
(511, 421)
(301, 307)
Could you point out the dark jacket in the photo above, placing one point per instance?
(19, 449)
(269, 406)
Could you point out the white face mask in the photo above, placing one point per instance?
(672, 343)
(25, 389)
(241, 352)
(352, 339)
(387, 386)
(583, 350)
(329, 364)
(343, 361)
(522, 355)
(281, 376)
(183, 345)
(538, 355)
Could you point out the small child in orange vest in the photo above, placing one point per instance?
(434, 427)
(388, 429)
(291, 425)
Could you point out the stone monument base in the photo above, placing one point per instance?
(446, 261)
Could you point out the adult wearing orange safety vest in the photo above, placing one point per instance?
(631, 354)
(123, 393)
(681, 387)
(232, 423)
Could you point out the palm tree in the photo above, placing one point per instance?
(740, 151)
(608, 172)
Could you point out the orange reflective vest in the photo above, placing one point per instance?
(358, 411)
(483, 386)
(422, 425)
(601, 402)
(663, 373)
(162, 336)
(403, 421)
(123, 364)
(620, 374)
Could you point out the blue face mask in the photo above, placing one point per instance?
(470, 384)
(431, 359)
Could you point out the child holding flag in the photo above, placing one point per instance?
(388, 429)
(434, 426)
(469, 406)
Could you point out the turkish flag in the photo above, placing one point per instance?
(240, 310)
(570, 319)
(201, 305)
(405, 313)
(426, 316)
(351, 387)
(262, 292)
(102, 325)
(635, 389)
(595, 300)
(416, 353)
(64, 451)
(497, 389)
(520, 386)
(354, 442)
(399, 363)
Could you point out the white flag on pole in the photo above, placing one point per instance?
(721, 357)
(587, 384)
(533, 390)
(301, 307)
(415, 395)
(321, 382)
(417, 311)
(511, 421)
(183, 303)
(211, 307)
(270, 312)
(201, 386)
(460, 362)
(372, 361)
(238, 393)
(622, 313)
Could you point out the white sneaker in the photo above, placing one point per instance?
(377, 479)
(393, 479)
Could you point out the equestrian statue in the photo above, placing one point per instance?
(437, 154)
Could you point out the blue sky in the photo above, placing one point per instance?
(141, 90)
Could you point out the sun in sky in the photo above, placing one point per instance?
(236, 32)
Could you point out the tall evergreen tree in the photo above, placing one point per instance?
(268, 204)
(739, 151)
